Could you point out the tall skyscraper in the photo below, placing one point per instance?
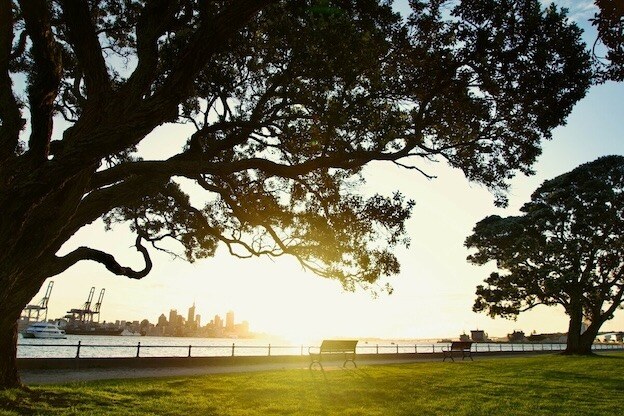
(191, 315)
(229, 320)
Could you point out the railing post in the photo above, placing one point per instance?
(377, 348)
(78, 350)
(233, 346)
(302, 350)
(138, 349)
(190, 346)
(415, 348)
(269, 350)
(397, 345)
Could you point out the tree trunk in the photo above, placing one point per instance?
(14, 296)
(588, 337)
(573, 345)
(9, 376)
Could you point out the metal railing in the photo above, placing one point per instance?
(146, 350)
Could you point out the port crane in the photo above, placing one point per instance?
(86, 320)
(86, 314)
(98, 305)
(35, 311)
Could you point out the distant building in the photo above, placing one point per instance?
(173, 314)
(191, 315)
(464, 337)
(516, 336)
(478, 336)
(229, 321)
(242, 329)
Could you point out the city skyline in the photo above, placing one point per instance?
(175, 325)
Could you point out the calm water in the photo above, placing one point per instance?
(119, 346)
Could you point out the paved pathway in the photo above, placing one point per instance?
(55, 376)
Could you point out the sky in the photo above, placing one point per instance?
(433, 294)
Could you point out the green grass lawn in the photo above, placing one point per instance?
(541, 385)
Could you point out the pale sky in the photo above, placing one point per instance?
(433, 295)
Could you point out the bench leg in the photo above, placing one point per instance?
(316, 362)
(315, 359)
(349, 360)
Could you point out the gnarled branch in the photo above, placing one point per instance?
(108, 260)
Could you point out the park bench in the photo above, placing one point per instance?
(333, 348)
(458, 347)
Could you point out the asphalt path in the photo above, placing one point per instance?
(60, 376)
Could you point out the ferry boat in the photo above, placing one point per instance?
(44, 330)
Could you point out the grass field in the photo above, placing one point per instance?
(542, 385)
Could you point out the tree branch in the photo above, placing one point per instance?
(85, 253)
(178, 165)
(10, 114)
(616, 302)
(45, 83)
(101, 201)
(85, 44)
(529, 307)
(211, 36)
(152, 23)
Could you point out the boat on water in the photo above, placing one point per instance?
(47, 330)
(129, 333)
(92, 330)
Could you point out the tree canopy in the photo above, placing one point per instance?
(566, 249)
(286, 101)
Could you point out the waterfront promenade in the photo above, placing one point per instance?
(53, 371)
(130, 359)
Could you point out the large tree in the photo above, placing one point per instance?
(287, 101)
(566, 249)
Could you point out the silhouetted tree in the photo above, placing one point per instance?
(284, 101)
(566, 249)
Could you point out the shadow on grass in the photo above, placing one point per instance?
(34, 401)
(609, 356)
